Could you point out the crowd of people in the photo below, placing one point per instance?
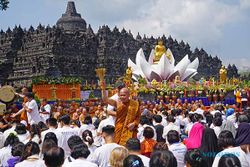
(124, 132)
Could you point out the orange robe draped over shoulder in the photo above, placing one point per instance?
(126, 114)
(23, 115)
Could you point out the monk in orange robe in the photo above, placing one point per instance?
(22, 112)
(127, 116)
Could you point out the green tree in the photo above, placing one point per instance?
(4, 4)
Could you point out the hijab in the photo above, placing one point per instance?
(243, 134)
(195, 136)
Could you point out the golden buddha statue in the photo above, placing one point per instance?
(159, 51)
(223, 74)
(154, 83)
(177, 79)
(128, 76)
(129, 73)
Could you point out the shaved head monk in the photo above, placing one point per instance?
(127, 115)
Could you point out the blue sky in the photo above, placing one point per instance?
(221, 27)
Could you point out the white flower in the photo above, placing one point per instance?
(164, 69)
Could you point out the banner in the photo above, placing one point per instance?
(85, 95)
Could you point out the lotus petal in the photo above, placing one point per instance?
(173, 74)
(182, 65)
(135, 68)
(170, 55)
(163, 68)
(139, 55)
(145, 67)
(194, 64)
(151, 57)
(188, 73)
(155, 76)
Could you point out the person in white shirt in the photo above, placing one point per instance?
(64, 133)
(88, 139)
(10, 130)
(176, 147)
(80, 152)
(5, 152)
(102, 154)
(2, 139)
(45, 110)
(72, 142)
(87, 125)
(32, 110)
(199, 110)
(170, 126)
(54, 157)
(217, 122)
(52, 125)
(110, 120)
(30, 156)
(144, 122)
(22, 133)
(134, 148)
(226, 143)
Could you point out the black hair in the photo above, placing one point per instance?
(243, 118)
(133, 161)
(47, 144)
(148, 132)
(162, 159)
(17, 149)
(170, 118)
(54, 157)
(75, 122)
(87, 120)
(228, 160)
(217, 121)
(96, 123)
(42, 126)
(209, 118)
(35, 130)
(20, 129)
(31, 148)
(52, 122)
(52, 136)
(74, 140)
(195, 158)
(218, 114)
(157, 118)
(209, 146)
(225, 139)
(109, 130)
(80, 151)
(29, 95)
(88, 137)
(144, 120)
(65, 119)
(133, 144)
(173, 137)
(11, 140)
(195, 117)
(174, 112)
(160, 146)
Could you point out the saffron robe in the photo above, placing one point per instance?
(126, 114)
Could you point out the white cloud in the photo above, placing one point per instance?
(241, 63)
(200, 22)
(245, 4)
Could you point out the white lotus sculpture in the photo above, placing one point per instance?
(164, 69)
